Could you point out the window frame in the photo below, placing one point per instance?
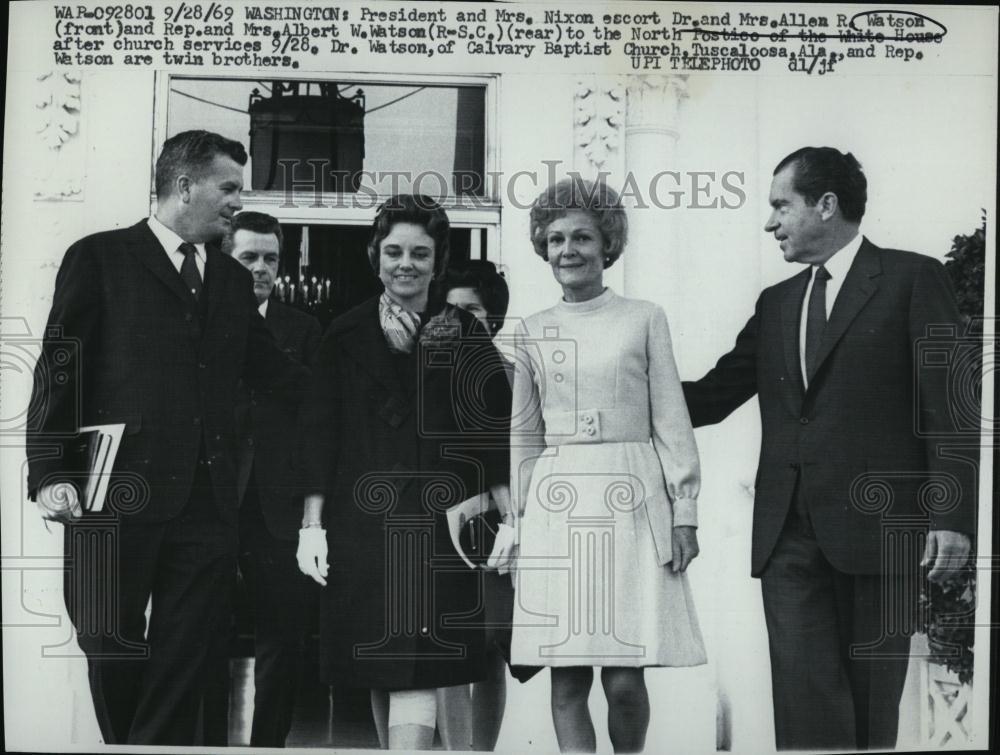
(337, 208)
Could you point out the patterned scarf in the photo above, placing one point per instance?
(399, 325)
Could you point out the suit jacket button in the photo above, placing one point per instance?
(249, 441)
(187, 317)
(197, 420)
(803, 420)
(201, 365)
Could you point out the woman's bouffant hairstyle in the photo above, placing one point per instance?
(595, 198)
(417, 209)
(489, 284)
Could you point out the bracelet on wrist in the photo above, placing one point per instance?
(312, 525)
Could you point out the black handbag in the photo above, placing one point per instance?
(478, 536)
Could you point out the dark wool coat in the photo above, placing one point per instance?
(125, 342)
(392, 441)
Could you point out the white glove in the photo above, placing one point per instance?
(504, 549)
(312, 553)
(59, 502)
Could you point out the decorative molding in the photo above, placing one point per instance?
(598, 119)
(947, 711)
(59, 107)
(654, 103)
(60, 165)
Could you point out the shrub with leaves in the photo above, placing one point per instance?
(948, 619)
(967, 267)
(948, 613)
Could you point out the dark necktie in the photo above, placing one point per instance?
(815, 319)
(189, 270)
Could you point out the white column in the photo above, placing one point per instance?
(652, 269)
(651, 132)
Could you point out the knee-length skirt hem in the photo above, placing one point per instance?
(590, 590)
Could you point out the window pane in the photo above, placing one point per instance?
(343, 136)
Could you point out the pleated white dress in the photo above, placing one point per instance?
(602, 455)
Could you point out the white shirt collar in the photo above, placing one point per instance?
(263, 308)
(171, 242)
(843, 258)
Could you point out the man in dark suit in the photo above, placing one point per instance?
(270, 513)
(853, 432)
(153, 328)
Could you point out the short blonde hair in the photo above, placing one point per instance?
(595, 198)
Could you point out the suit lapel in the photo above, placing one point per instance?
(145, 246)
(859, 286)
(791, 310)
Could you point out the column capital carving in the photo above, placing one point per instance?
(654, 103)
(598, 119)
(57, 110)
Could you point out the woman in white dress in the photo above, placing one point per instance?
(604, 473)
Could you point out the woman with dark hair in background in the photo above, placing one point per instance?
(481, 290)
(407, 416)
(604, 472)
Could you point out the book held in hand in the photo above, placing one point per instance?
(95, 448)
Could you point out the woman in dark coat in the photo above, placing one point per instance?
(407, 416)
(470, 718)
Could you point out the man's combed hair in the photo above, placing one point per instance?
(255, 222)
(417, 209)
(190, 153)
(819, 170)
(595, 198)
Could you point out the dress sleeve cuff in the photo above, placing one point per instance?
(685, 512)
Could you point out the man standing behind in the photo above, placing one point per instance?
(832, 355)
(270, 513)
(161, 329)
